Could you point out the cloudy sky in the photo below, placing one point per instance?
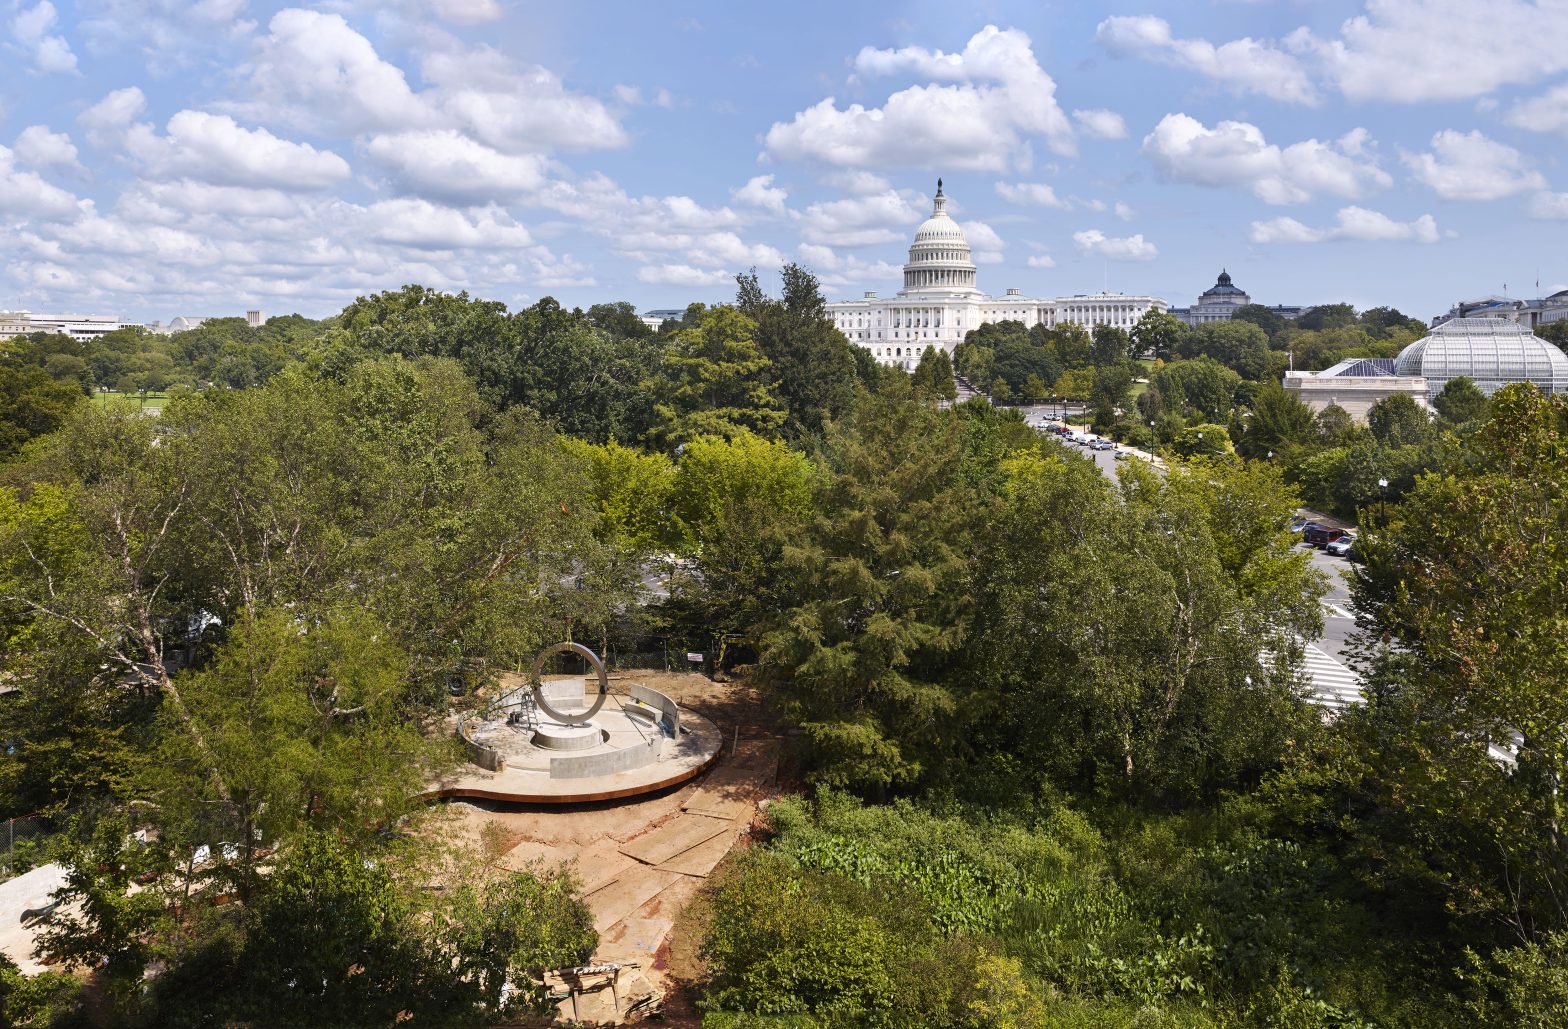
(160, 158)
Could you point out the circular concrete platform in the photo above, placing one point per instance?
(627, 749)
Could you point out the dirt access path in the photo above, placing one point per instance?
(642, 861)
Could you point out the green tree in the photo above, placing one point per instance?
(1398, 420)
(1112, 386)
(1279, 421)
(1460, 401)
(1075, 384)
(1089, 638)
(32, 404)
(1271, 322)
(1202, 440)
(1238, 345)
(809, 359)
(872, 597)
(934, 375)
(1157, 335)
(1327, 316)
(1201, 385)
(714, 382)
(1111, 345)
(632, 492)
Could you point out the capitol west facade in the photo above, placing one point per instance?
(940, 301)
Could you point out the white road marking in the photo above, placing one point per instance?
(1336, 610)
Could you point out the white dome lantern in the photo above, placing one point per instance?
(939, 258)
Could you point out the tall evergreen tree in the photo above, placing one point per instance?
(811, 363)
(715, 381)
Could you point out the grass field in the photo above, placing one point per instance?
(151, 402)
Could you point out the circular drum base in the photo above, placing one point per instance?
(555, 736)
(531, 753)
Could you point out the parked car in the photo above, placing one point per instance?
(1328, 536)
(1124, 455)
(1102, 444)
(1298, 523)
(1341, 547)
(1315, 534)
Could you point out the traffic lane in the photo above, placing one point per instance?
(1339, 622)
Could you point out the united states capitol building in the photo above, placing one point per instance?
(940, 301)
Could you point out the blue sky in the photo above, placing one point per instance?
(161, 158)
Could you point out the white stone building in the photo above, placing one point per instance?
(1532, 314)
(941, 301)
(1220, 302)
(77, 326)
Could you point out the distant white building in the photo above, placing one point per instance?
(1220, 302)
(654, 319)
(941, 302)
(255, 319)
(1532, 314)
(183, 323)
(77, 326)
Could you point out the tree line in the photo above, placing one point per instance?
(1059, 766)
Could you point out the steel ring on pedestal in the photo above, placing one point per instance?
(583, 652)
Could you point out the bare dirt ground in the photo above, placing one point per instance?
(644, 860)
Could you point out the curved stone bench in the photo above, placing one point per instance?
(669, 711)
(485, 757)
(588, 766)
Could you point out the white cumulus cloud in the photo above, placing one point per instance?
(759, 191)
(1235, 153)
(1412, 51)
(1245, 65)
(214, 148)
(681, 275)
(1036, 193)
(978, 109)
(1351, 223)
(1099, 123)
(1129, 248)
(446, 165)
(860, 221)
(1041, 261)
(30, 28)
(39, 147)
(27, 194)
(1545, 113)
(984, 244)
(1469, 166)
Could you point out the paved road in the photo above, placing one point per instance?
(1338, 621)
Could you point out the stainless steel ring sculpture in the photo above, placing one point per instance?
(582, 717)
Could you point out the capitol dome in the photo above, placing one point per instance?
(1494, 352)
(939, 258)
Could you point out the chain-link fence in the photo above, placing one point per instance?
(19, 839)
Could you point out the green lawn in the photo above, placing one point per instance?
(151, 402)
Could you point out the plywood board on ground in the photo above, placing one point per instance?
(700, 860)
(601, 863)
(634, 888)
(676, 836)
(633, 939)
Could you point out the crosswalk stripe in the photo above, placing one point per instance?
(1333, 685)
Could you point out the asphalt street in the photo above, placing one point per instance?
(1338, 621)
